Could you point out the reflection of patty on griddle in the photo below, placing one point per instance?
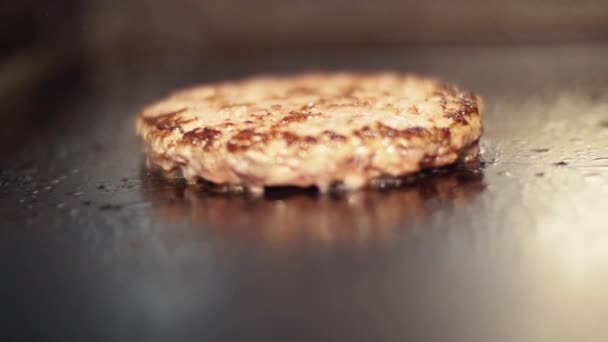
(290, 215)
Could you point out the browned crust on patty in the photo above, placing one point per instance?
(311, 129)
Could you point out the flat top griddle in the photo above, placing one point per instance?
(95, 247)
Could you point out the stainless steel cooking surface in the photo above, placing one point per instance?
(514, 249)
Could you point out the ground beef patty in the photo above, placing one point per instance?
(314, 129)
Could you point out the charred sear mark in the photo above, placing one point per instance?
(381, 130)
(169, 121)
(293, 139)
(290, 138)
(297, 117)
(203, 136)
(443, 102)
(408, 133)
(463, 108)
(246, 139)
(365, 133)
(456, 104)
(309, 140)
(333, 136)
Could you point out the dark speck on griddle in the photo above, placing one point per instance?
(87, 202)
(561, 163)
(101, 187)
(539, 174)
(539, 150)
(110, 207)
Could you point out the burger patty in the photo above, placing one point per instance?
(314, 129)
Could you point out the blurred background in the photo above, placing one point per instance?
(99, 249)
(49, 48)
